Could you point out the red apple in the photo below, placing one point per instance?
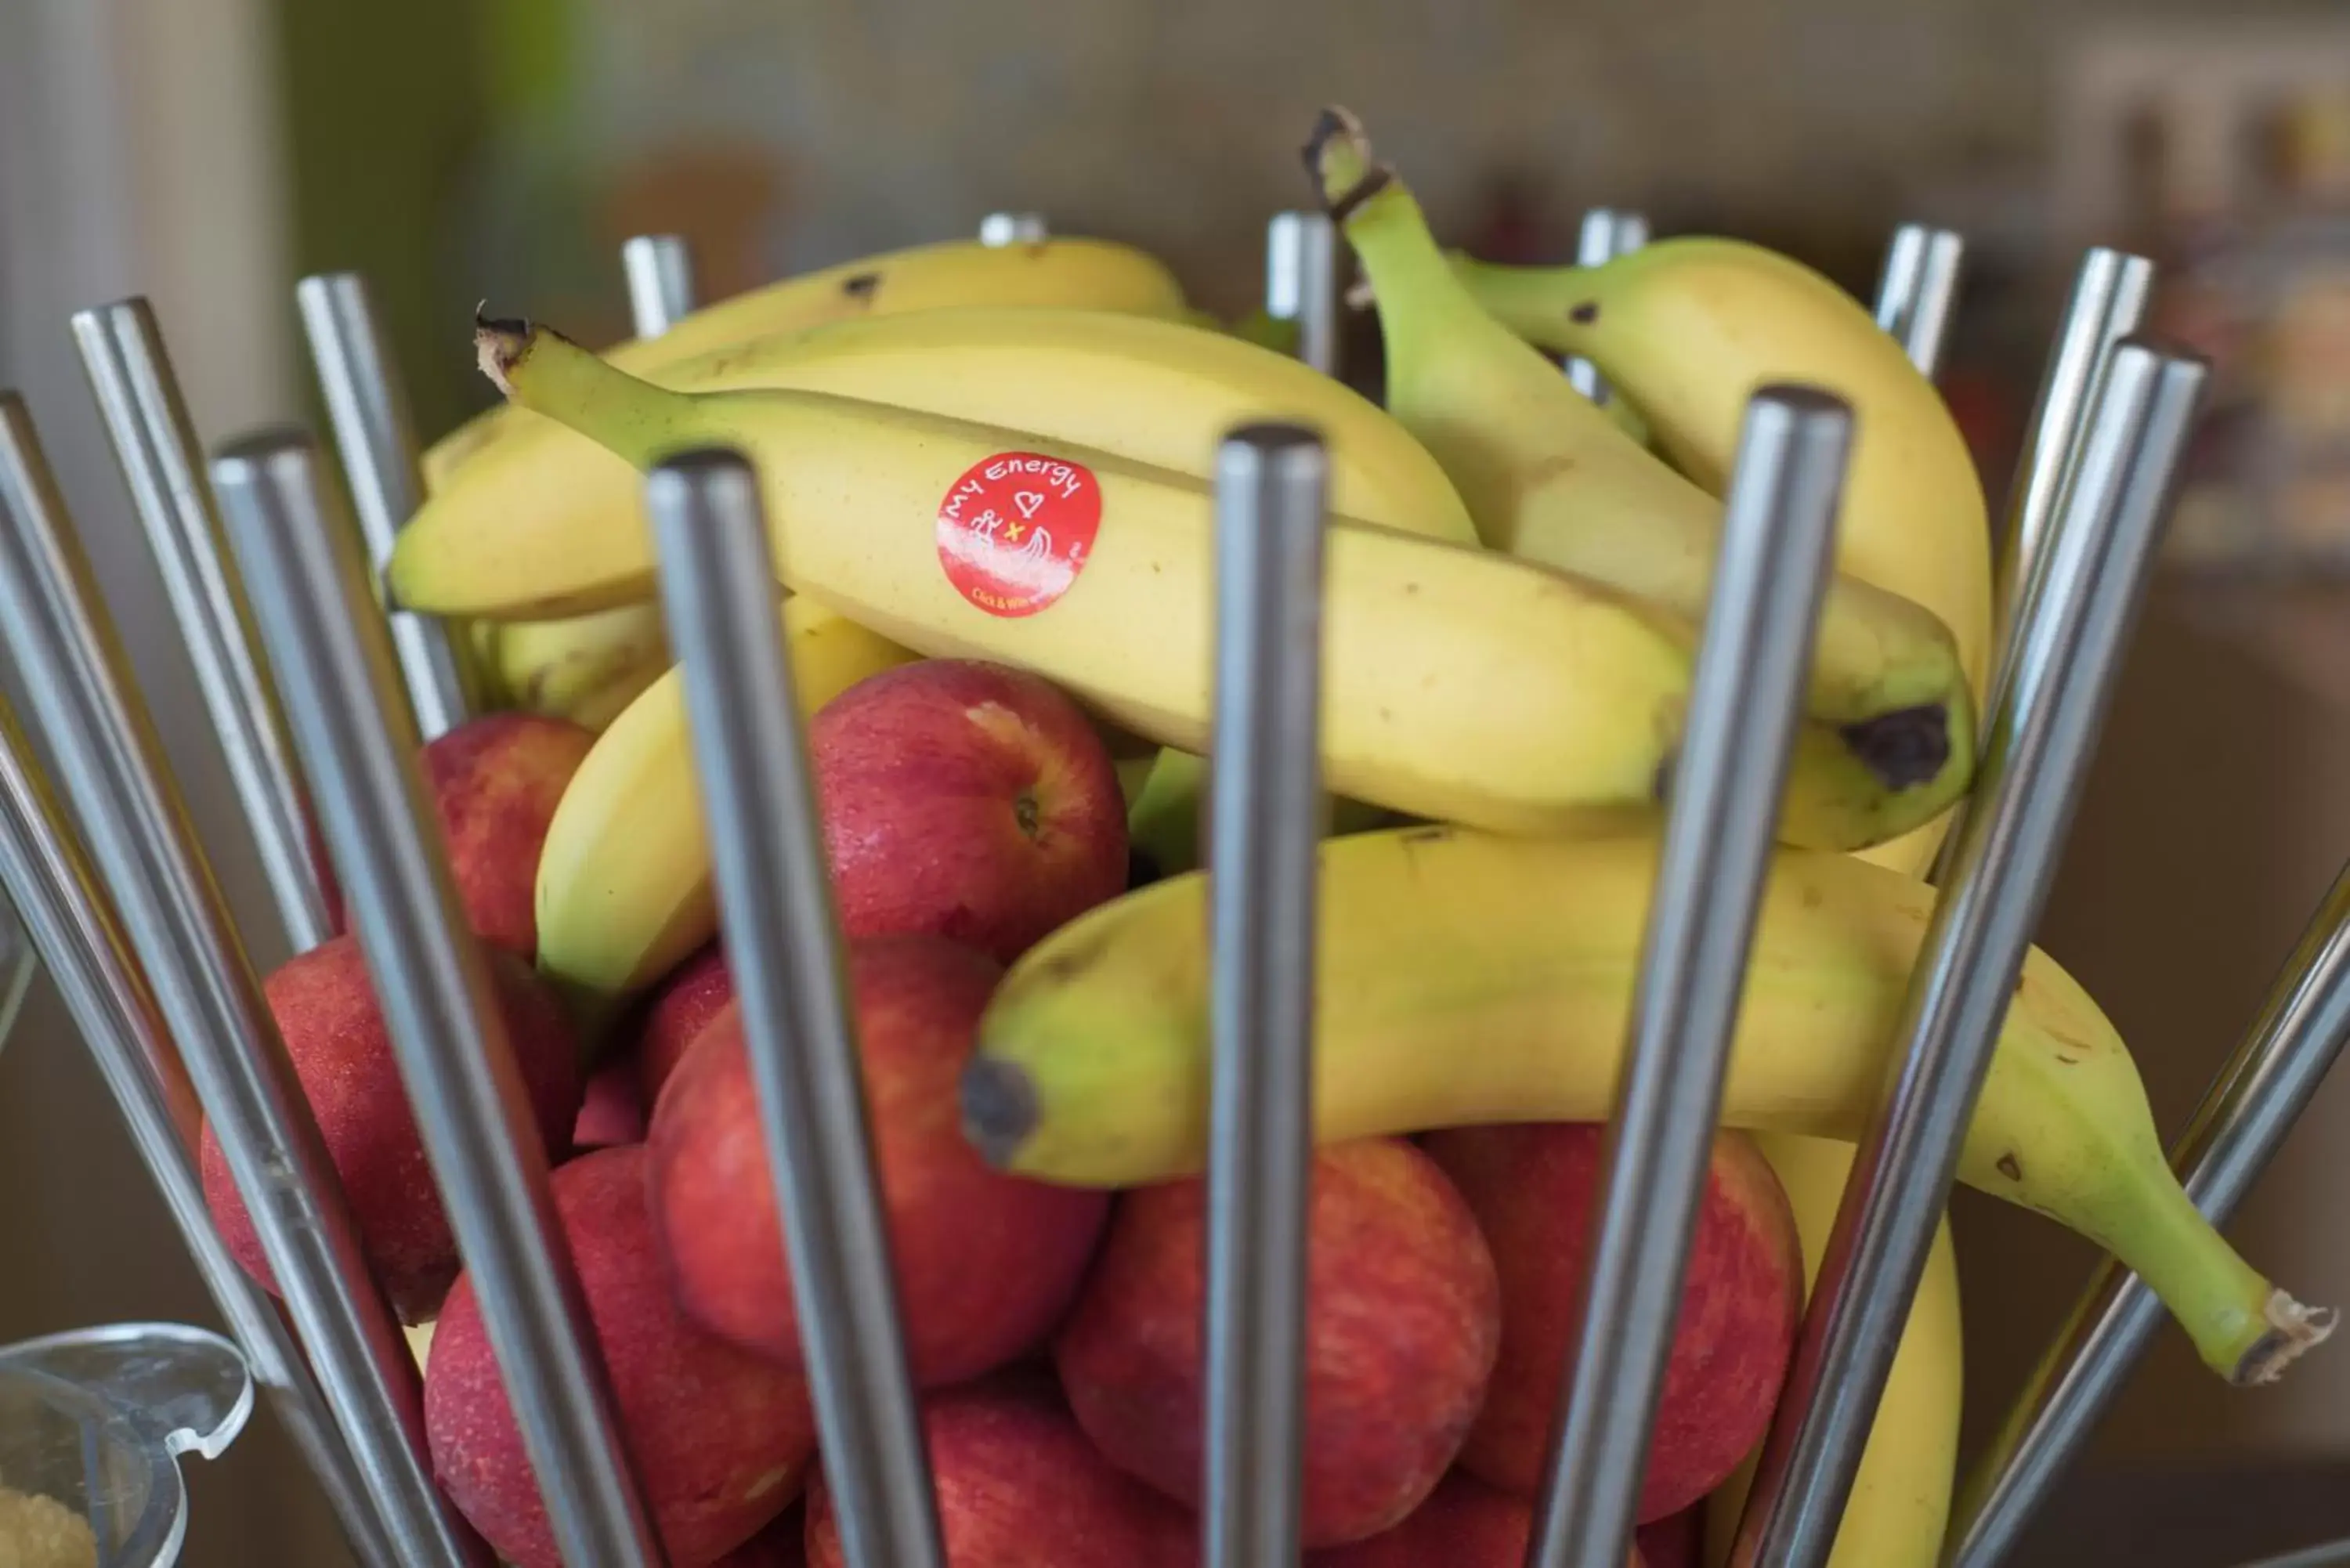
(325, 1007)
(1532, 1187)
(782, 1544)
(1403, 1317)
(613, 1112)
(965, 800)
(496, 782)
(721, 1440)
(1464, 1523)
(695, 993)
(1019, 1487)
(1676, 1541)
(986, 1261)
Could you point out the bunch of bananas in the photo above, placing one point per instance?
(1515, 582)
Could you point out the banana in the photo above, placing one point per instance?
(585, 668)
(623, 891)
(1900, 1502)
(1159, 392)
(1460, 684)
(553, 522)
(1549, 476)
(1466, 978)
(1099, 274)
(1686, 327)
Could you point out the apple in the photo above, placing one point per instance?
(721, 1440)
(613, 1111)
(986, 1263)
(1018, 1487)
(326, 1009)
(782, 1544)
(1403, 1322)
(1532, 1187)
(1464, 1523)
(679, 1008)
(967, 800)
(494, 782)
(1676, 1541)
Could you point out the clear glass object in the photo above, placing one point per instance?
(92, 1427)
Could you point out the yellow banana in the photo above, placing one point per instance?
(582, 668)
(623, 889)
(552, 522)
(420, 1340)
(1549, 476)
(1686, 327)
(1156, 392)
(1458, 683)
(1465, 978)
(1098, 274)
(1901, 1503)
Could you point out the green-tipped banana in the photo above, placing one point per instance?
(1463, 978)
(1685, 327)
(1460, 684)
(1549, 476)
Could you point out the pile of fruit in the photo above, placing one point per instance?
(987, 472)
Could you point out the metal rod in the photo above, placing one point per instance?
(1272, 483)
(2109, 296)
(1918, 290)
(2108, 302)
(74, 928)
(155, 442)
(369, 410)
(2045, 720)
(55, 627)
(2258, 1093)
(1014, 229)
(782, 942)
(1300, 282)
(1606, 233)
(1754, 661)
(310, 592)
(660, 273)
(2332, 1554)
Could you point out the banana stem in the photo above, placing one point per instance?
(539, 369)
(2245, 1328)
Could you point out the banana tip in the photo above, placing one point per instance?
(1339, 161)
(499, 343)
(2294, 1330)
(1905, 747)
(998, 1108)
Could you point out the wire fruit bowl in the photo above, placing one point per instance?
(136, 935)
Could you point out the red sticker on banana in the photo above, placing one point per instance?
(1016, 529)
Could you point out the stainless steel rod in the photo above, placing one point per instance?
(660, 273)
(2332, 1554)
(2108, 302)
(2258, 1093)
(2044, 723)
(783, 942)
(55, 626)
(1300, 282)
(1917, 291)
(1606, 233)
(1754, 658)
(155, 442)
(1272, 485)
(74, 928)
(368, 407)
(309, 587)
(1014, 229)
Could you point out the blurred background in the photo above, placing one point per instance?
(206, 152)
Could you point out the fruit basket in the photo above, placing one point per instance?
(837, 1017)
